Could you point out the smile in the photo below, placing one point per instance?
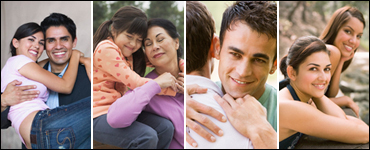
(348, 48)
(240, 82)
(319, 86)
(158, 55)
(33, 52)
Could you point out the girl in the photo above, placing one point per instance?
(306, 68)
(27, 46)
(116, 52)
(342, 36)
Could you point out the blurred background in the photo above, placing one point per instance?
(217, 8)
(302, 18)
(171, 10)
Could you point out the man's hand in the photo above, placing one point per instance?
(249, 117)
(14, 94)
(193, 113)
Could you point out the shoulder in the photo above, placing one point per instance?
(334, 51)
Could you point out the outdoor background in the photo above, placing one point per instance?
(217, 8)
(171, 10)
(16, 13)
(301, 18)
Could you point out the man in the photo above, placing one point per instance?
(247, 55)
(60, 35)
(201, 44)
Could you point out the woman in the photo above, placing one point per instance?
(163, 50)
(342, 36)
(306, 68)
(26, 47)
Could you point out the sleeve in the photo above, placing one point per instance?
(111, 62)
(5, 122)
(130, 105)
(20, 61)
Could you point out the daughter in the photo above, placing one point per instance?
(27, 46)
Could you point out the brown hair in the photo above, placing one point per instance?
(130, 19)
(299, 51)
(339, 18)
(200, 28)
(260, 16)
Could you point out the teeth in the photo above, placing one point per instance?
(240, 82)
(60, 53)
(33, 52)
(348, 47)
(320, 86)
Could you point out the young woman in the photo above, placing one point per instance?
(342, 36)
(163, 50)
(306, 68)
(118, 64)
(27, 46)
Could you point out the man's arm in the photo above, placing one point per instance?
(249, 117)
(12, 95)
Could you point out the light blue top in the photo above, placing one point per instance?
(53, 99)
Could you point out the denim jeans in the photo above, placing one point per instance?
(149, 131)
(65, 127)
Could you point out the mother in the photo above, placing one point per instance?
(163, 50)
(342, 37)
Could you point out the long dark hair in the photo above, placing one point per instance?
(133, 21)
(339, 18)
(23, 31)
(170, 28)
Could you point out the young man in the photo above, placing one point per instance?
(247, 54)
(60, 35)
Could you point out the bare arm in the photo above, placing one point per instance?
(310, 121)
(327, 106)
(61, 85)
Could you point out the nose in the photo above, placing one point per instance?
(353, 39)
(58, 45)
(155, 46)
(244, 69)
(322, 76)
(36, 45)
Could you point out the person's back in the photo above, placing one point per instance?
(231, 138)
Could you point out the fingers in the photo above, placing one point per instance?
(201, 108)
(195, 89)
(200, 130)
(224, 104)
(15, 82)
(230, 100)
(191, 141)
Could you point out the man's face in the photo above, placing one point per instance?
(245, 61)
(59, 44)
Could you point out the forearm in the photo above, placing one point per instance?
(264, 137)
(334, 82)
(130, 105)
(69, 77)
(325, 105)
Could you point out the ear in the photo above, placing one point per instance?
(212, 49)
(177, 43)
(273, 68)
(15, 43)
(74, 42)
(217, 47)
(291, 73)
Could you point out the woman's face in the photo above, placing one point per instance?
(314, 75)
(348, 37)
(30, 46)
(128, 43)
(160, 47)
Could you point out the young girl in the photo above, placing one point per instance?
(306, 68)
(342, 35)
(27, 46)
(117, 50)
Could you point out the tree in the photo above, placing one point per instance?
(99, 14)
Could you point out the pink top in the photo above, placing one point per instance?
(19, 112)
(112, 75)
(126, 109)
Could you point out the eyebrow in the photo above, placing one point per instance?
(35, 38)
(63, 37)
(318, 65)
(352, 29)
(261, 55)
(155, 36)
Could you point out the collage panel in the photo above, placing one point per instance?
(46, 98)
(231, 51)
(324, 61)
(138, 79)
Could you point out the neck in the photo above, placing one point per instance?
(205, 71)
(172, 67)
(57, 68)
(303, 97)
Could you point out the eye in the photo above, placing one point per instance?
(313, 69)
(31, 39)
(50, 40)
(359, 36)
(148, 43)
(327, 69)
(347, 31)
(259, 60)
(129, 36)
(41, 43)
(160, 40)
(235, 54)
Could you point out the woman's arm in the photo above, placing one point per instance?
(306, 119)
(87, 63)
(130, 105)
(325, 105)
(61, 85)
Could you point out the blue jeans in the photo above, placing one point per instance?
(149, 131)
(65, 127)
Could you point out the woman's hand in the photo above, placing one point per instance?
(166, 80)
(346, 58)
(77, 53)
(180, 83)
